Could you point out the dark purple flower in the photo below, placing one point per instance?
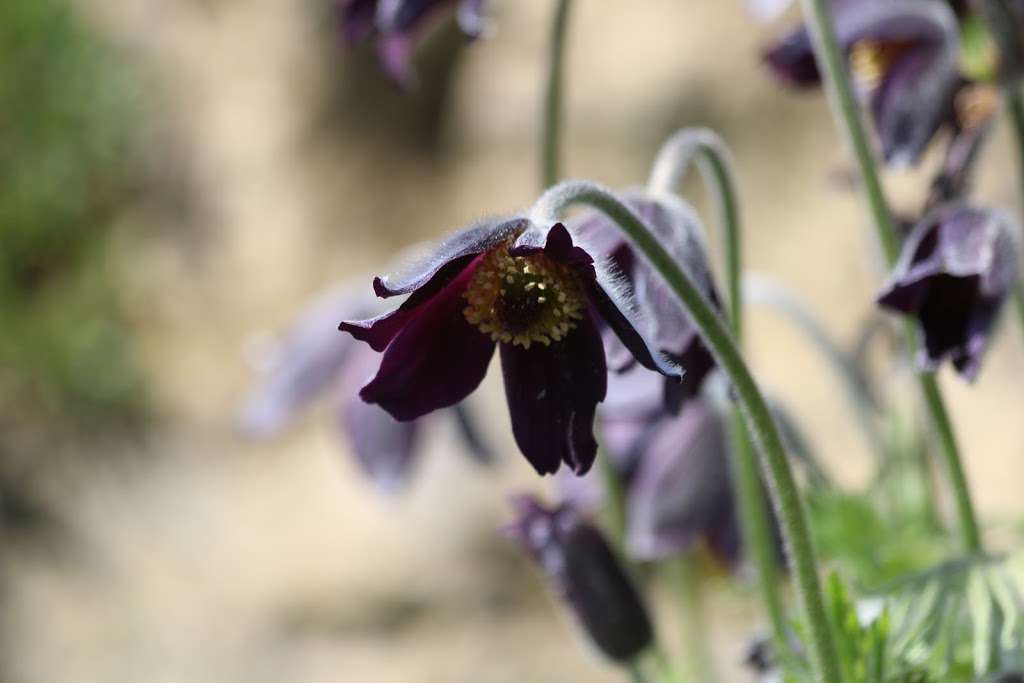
(955, 270)
(675, 471)
(683, 490)
(535, 294)
(396, 24)
(903, 55)
(585, 573)
(313, 360)
(670, 327)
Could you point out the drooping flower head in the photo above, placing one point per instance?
(535, 294)
(313, 360)
(955, 271)
(903, 55)
(396, 24)
(585, 573)
(670, 329)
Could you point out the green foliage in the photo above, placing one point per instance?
(65, 133)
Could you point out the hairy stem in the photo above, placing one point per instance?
(758, 417)
(551, 154)
(704, 147)
(844, 105)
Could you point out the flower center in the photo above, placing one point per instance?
(871, 59)
(523, 299)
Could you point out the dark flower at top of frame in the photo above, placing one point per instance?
(535, 294)
(671, 329)
(955, 271)
(584, 571)
(903, 55)
(313, 360)
(395, 24)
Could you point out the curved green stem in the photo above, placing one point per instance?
(757, 530)
(755, 410)
(705, 147)
(954, 468)
(837, 81)
(1015, 103)
(677, 155)
(553, 97)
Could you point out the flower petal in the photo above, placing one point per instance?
(913, 101)
(438, 269)
(682, 488)
(552, 394)
(307, 362)
(435, 360)
(384, 447)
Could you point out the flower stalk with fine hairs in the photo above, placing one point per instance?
(677, 155)
(758, 417)
(840, 90)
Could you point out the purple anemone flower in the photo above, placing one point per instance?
(671, 329)
(396, 24)
(528, 290)
(585, 573)
(955, 271)
(314, 360)
(903, 55)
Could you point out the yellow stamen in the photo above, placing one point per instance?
(522, 300)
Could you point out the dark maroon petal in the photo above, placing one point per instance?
(552, 394)
(614, 314)
(682, 487)
(453, 258)
(792, 61)
(585, 573)
(437, 270)
(436, 360)
(912, 102)
(384, 447)
(697, 363)
(557, 245)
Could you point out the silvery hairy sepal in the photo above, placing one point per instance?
(903, 55)
(956, 269)
(313, 360)
(670, 327)
(584, 572)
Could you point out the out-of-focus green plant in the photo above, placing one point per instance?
(66, 114)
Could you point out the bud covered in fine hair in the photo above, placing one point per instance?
(584, 571)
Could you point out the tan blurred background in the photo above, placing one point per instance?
(188, 554)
